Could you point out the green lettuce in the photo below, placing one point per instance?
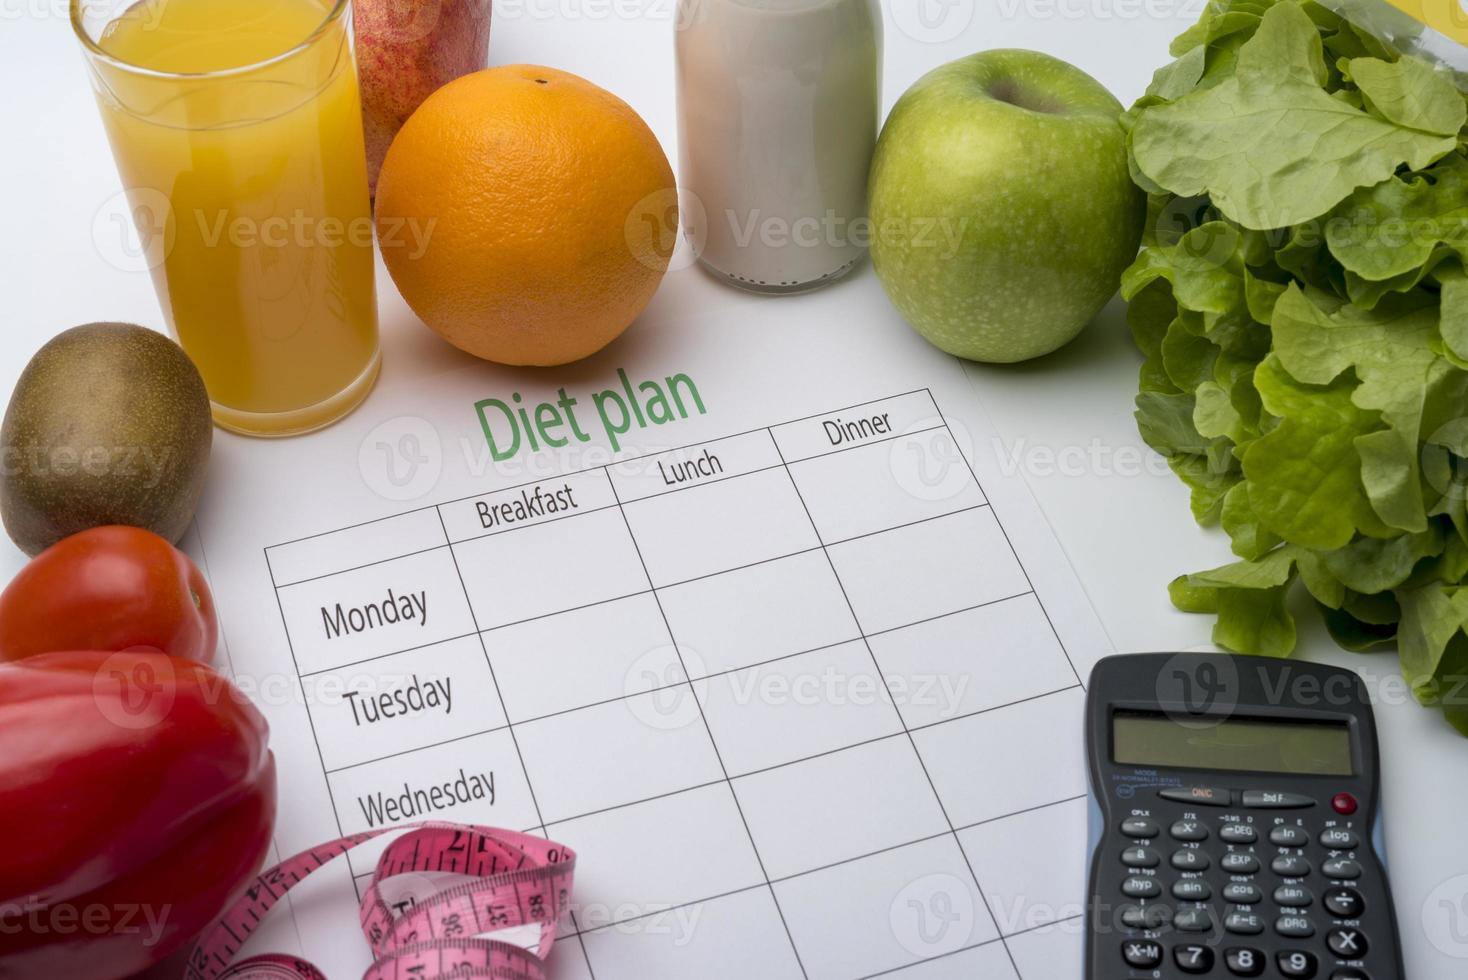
(1301, 302)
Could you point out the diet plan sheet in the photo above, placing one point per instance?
(745, 610)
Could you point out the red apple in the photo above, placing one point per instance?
(405, 50)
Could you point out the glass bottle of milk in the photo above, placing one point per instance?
(779, 105)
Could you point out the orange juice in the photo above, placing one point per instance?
(237, 129)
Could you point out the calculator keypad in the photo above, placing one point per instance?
(1193, 880)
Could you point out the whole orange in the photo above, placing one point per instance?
(526, 214)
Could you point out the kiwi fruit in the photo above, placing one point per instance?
(108, 424)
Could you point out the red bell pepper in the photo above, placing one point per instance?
(109, 588)
(137, 799)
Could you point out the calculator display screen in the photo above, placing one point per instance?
(1140, 738)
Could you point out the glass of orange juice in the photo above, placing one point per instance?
(237, 130)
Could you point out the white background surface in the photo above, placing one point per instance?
(1066, 420)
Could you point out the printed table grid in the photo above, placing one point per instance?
(696, 682)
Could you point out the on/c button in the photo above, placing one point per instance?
(1202, 795)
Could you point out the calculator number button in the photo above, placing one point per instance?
(1294, 927)
(1296, 965)
(1290, 866)
(1242, 894)
(1348, 944)
(1190, 860)
(1139, 827)
(1244, 962)
(1192, 890)
(1293, 896)
(1261, 799)
(1344, 903)
(1193, 959)
(1192, 920)
(1140, 857)
(1189, 831)
(1244, 924)
(1238, 833)
(1338, 839)
(1140, 888)
(1286, 835)
(1202, 795)
(1342, 869)
(1239, 863)
(1146, 916)
(1141, 955)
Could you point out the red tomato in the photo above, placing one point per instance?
(110, 588)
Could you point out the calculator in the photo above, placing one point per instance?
(1235, 823)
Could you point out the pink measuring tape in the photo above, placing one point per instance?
(518, 880)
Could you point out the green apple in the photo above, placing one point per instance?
(1002, 210)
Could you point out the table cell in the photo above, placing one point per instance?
(701, 940)
(1032, 866)
(353, 547)
(789, 809)
(1050, 952)
(1010, 759)
(904, 576)
(402, 702)
(886, 485)
(760, 613)
(972, 660)
(989, 961)
(719, 527)
(875, 421)
(583, 657)
(528, 505)
(701, 464)
(477, 780)
(643, 859)
(886, 911)
(353, 616)
(550, 568)
(617, 753)
(797, 707)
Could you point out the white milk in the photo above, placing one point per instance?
(778, 113)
